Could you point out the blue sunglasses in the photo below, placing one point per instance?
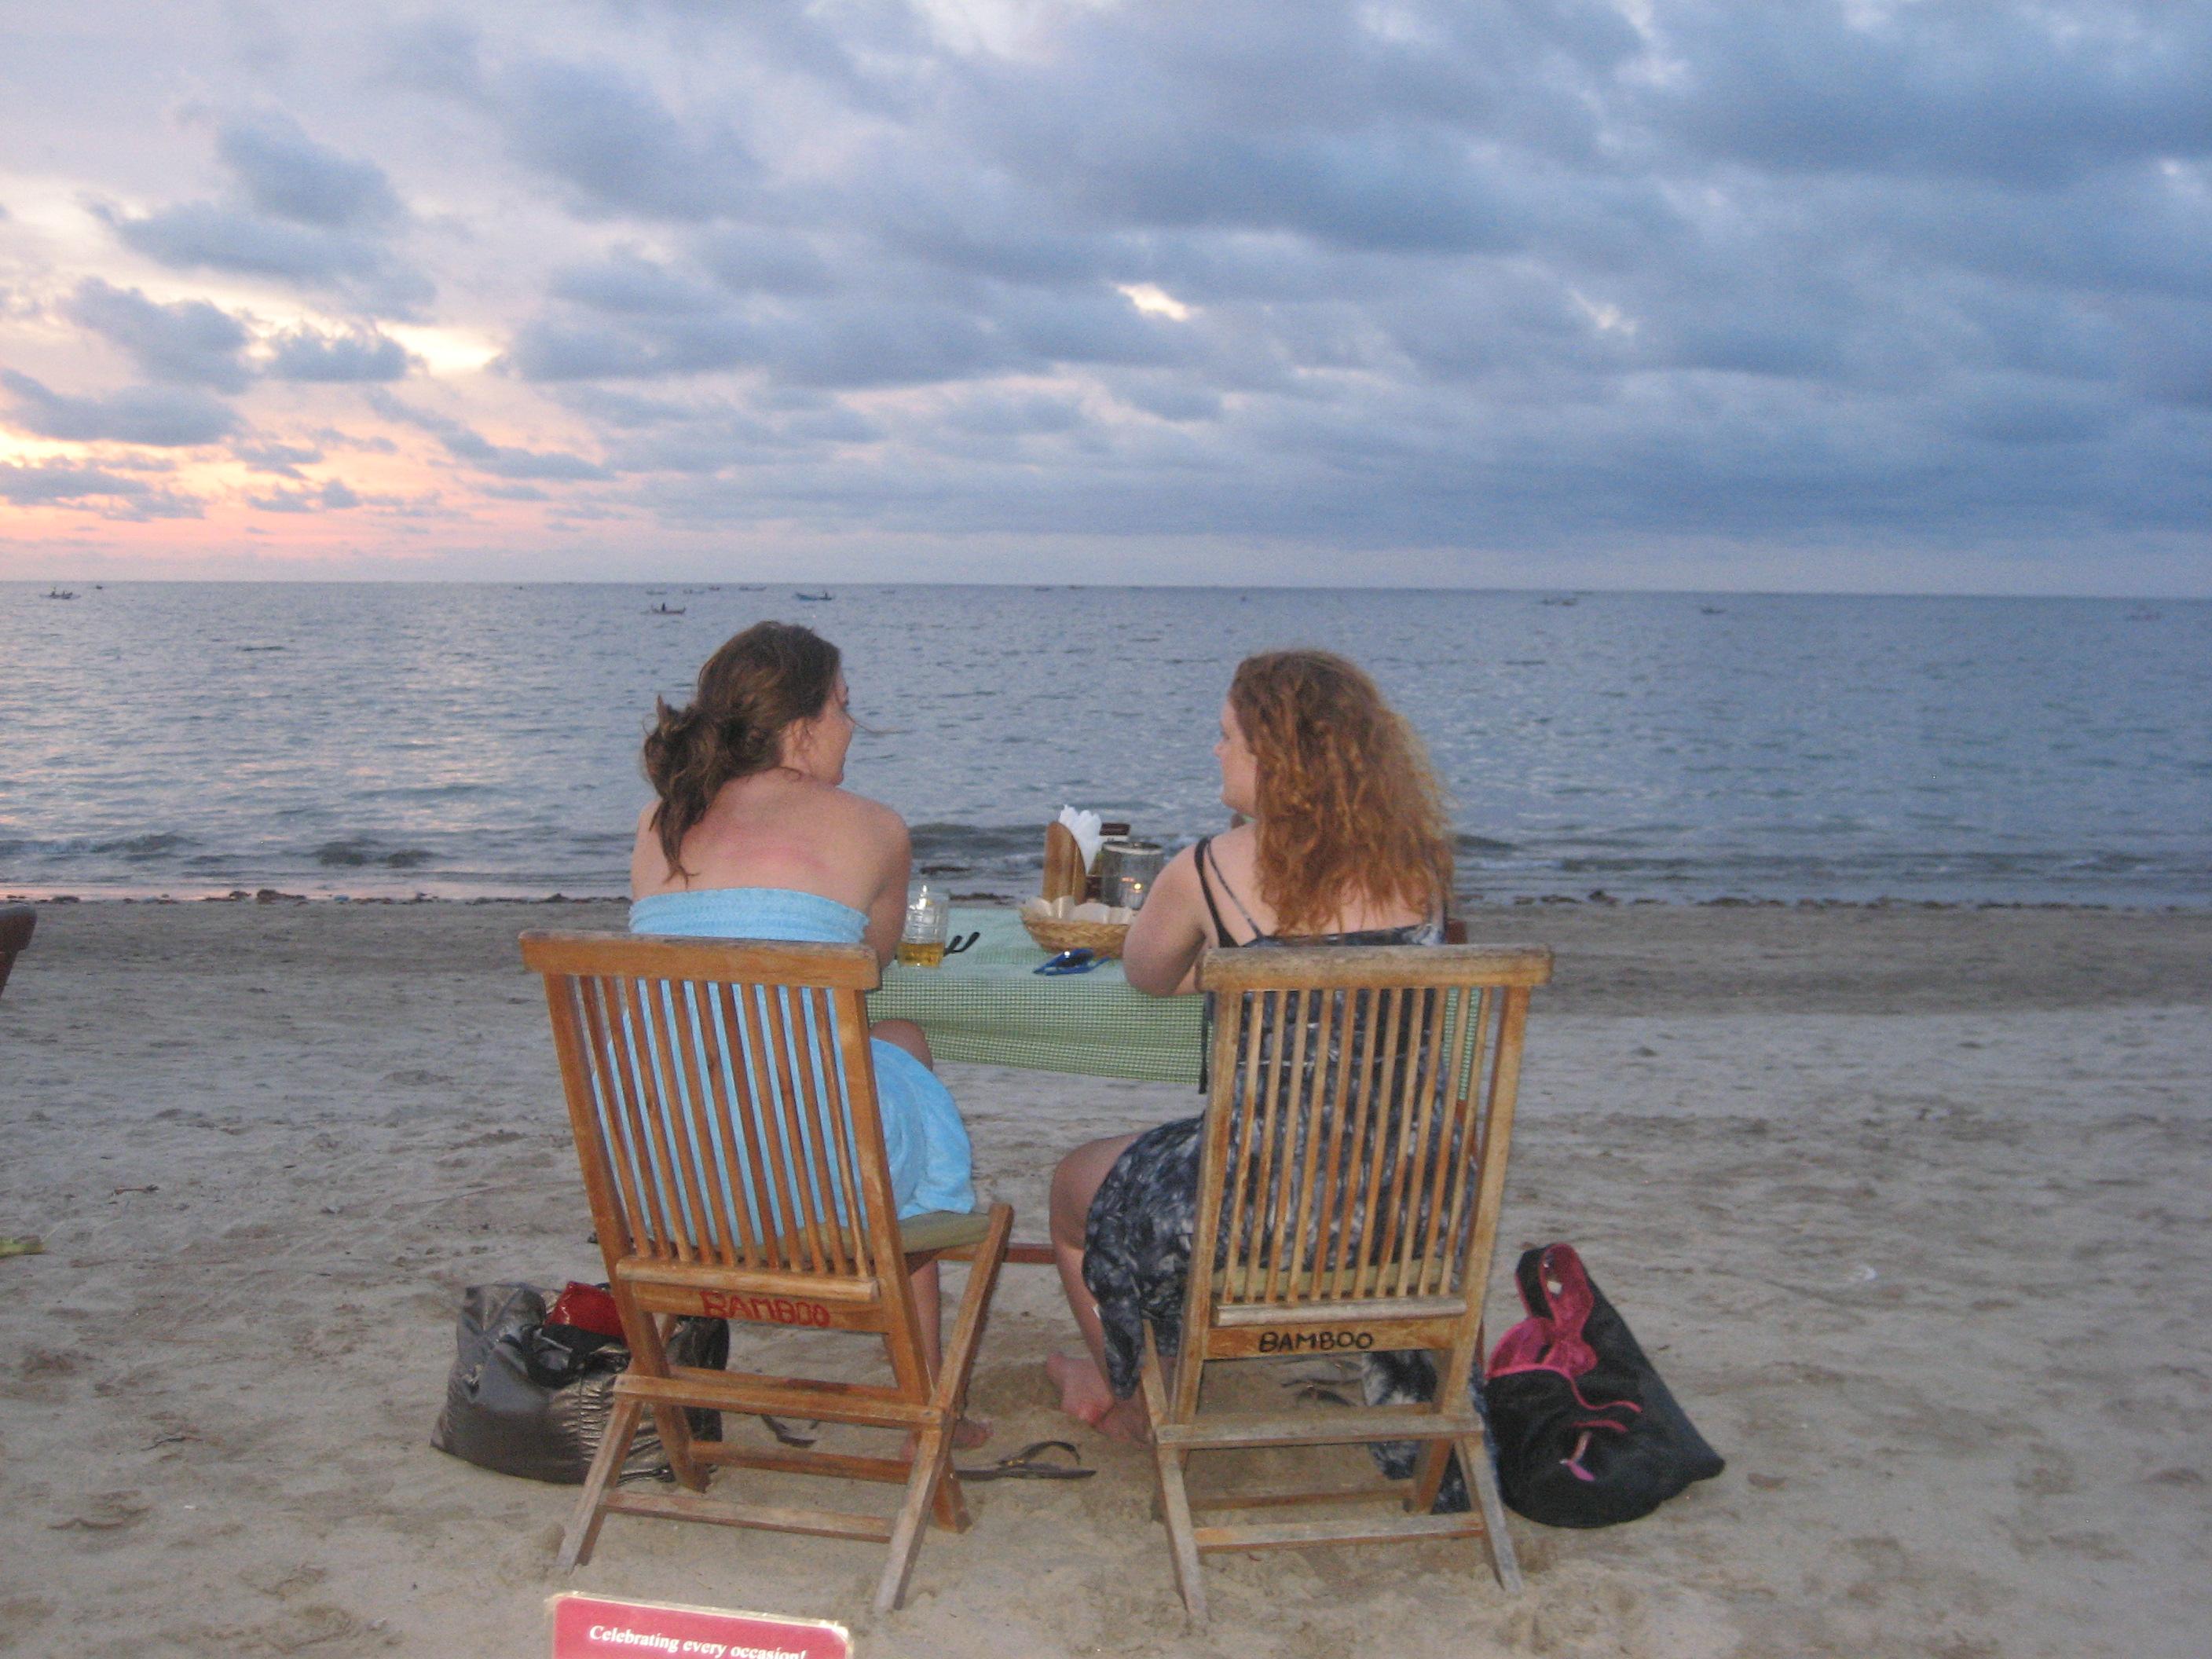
(1081, 960)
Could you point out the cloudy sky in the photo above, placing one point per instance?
(1782, 294)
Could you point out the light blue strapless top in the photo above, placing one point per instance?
(932, 1166)
(750, 913)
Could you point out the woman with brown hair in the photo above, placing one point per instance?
(752, 837)
(1341, 839)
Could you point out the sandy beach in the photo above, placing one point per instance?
(1908, 1204)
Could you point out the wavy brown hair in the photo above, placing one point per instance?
(757, 685)
(1349, 807)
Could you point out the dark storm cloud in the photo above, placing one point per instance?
(616, 147)
(188, 342)
(58, 484)
(627, 284)
(1242, 116)
(2023, 95)
(897, 324)
(501, 461)
(333, 495)
(287, 175)
(711, 435)
(298, 210)
(439, 55)
(278, 460)
(161, 417)
(343, 356)
(749, 259)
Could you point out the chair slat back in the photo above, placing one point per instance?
(723, 1099)
(1348, 1134)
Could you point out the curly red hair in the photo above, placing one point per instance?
(1349, 807)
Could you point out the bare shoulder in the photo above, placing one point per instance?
(1241, 843)
(649, 834)
(1178, 871)
(871, 818)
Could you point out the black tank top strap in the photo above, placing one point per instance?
(1204, 857)
(1205, 889)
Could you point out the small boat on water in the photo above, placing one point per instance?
(665, 610)
(59, 593)
(816, 598)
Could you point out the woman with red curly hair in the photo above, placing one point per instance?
(1342, 840)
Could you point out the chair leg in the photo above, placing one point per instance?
(932, 1457)
(650, 1359)
(1175, 1501)
(1474, 1463)
(927, 1485)
(584, 1526)
(949, 1507)
(675, 1428)
(1435, 1457)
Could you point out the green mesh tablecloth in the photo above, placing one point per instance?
(987, 1005)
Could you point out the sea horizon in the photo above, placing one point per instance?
(266, 579)
(379, 739)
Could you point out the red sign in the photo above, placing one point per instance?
(597, 1627)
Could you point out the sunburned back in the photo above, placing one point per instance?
(772, 829)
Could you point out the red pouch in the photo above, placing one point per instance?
(587, 1307)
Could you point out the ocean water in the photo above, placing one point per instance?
(453, 740)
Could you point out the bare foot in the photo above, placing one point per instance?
(1083, 1394)
(1126, 1420)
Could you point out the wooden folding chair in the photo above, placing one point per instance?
(724, 1103)
(1352, 1170)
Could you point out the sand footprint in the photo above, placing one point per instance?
(104, 1511)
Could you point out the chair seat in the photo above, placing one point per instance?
(943, 1230)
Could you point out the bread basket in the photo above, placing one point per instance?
(1054, 934)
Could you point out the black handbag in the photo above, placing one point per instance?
(1584, 1432)
(530, 1398)
(1587, 1433)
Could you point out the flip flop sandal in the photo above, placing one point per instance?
(1030, 1464)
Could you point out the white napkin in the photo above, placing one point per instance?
(1083, 826)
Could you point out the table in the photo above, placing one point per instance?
(988, 1006)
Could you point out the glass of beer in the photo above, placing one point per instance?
(922, 941)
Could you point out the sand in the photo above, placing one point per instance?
(1910, 1206)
